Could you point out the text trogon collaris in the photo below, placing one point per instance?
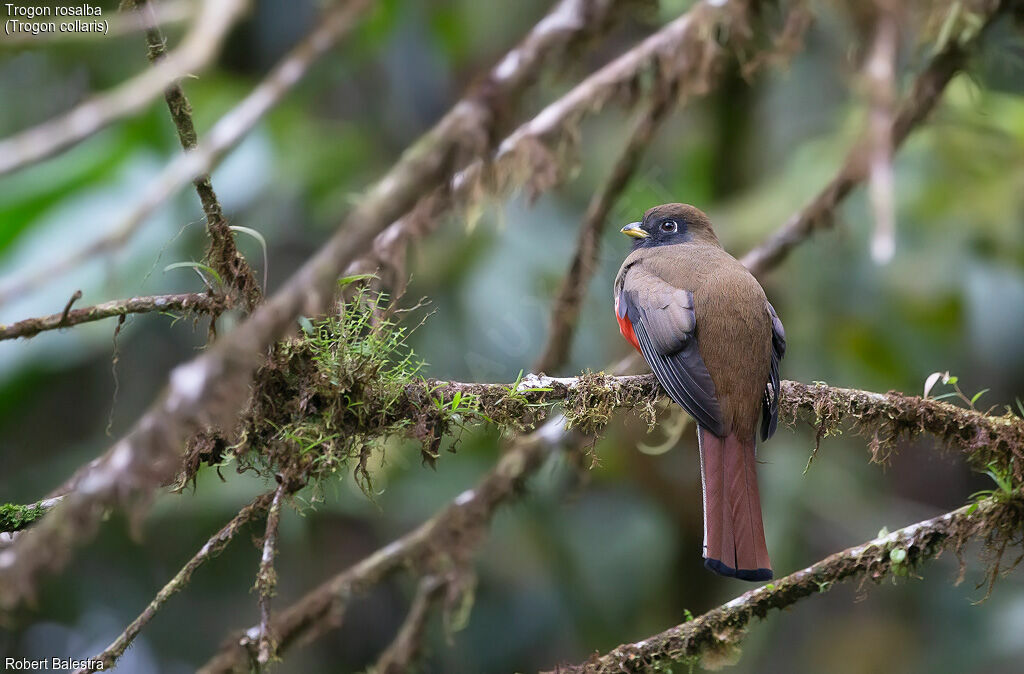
(713, 340)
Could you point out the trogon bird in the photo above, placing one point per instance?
(706, 329)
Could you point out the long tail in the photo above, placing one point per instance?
(733, 530)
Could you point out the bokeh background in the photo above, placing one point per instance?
(573, 566)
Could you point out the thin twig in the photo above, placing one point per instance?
(922, 99)
(222, 254)
(197, 50)
(210, 549)
(77, 295)
(565, 308)
(266, 580)
(197, 302)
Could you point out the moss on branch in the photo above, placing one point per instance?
(713, 639)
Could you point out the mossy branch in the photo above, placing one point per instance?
(713, 638)
(202, 303)
(427, 409)
(14, 517)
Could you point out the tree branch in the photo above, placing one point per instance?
(14, 517)
(922, 99)
(713, 638)
(198, 48)
(266, 579)
(222, 255)
(211, 548)
(197, 302)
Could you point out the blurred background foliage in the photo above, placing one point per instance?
(573, 566)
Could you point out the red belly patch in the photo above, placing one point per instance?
(625, 327)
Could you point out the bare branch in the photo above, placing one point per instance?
(922, 99)
(210, 549)
(225, 134)
(566, 306)
(713, 638)
(197, 50)
(197, 302)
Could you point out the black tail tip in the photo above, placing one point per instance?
(752, 575)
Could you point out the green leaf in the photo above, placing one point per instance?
(306, 325)
(263, 244)
(197, 266)
(978, 395)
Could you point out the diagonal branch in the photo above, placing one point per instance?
(714, 638)
(924, 95)
(210, 549)
(197, 302)
(197, 50)
(266, 579)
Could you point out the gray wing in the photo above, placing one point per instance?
(665, 325)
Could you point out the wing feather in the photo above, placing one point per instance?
(666, 331)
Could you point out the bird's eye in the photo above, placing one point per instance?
(669, 226)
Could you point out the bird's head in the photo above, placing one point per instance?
(670, 224)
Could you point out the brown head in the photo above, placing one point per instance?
(671, 224)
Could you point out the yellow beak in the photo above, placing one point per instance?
(633, 230)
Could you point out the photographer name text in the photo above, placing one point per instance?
(32, 19)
